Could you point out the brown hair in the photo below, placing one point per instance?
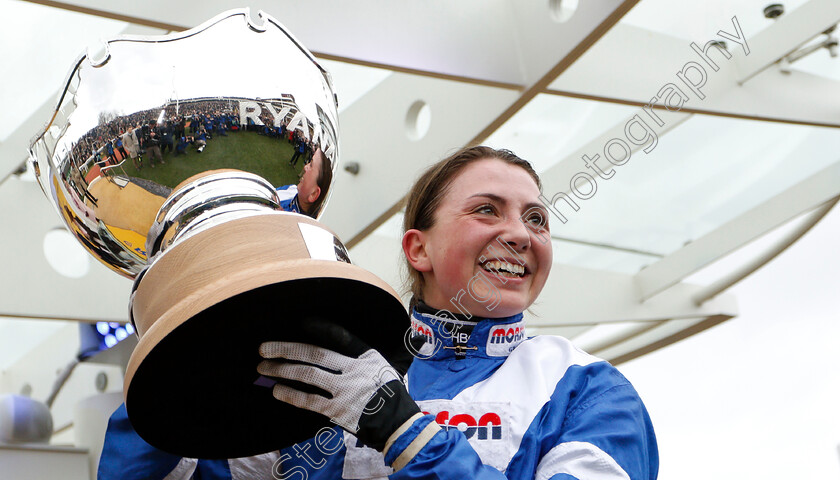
(425, 196)
(325, 176)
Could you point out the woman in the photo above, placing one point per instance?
(308, 195)
(485, 402)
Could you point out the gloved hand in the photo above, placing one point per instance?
(367, 397)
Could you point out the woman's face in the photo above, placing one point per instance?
(489, 250)
(308, 190)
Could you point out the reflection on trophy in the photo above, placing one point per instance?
(198, 164)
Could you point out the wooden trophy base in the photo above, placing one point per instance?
(203, 308)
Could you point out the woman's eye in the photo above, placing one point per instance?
(488, 209)
(537, 223)
(536, 220)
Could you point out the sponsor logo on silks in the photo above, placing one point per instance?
(507, 335)
(487, 427)
(421, 332)
(420, 329)
(504, 338)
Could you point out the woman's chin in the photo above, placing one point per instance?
(504, 307)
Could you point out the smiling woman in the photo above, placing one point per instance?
(487, 199)
(485, 402)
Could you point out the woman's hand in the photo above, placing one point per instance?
(362, 392)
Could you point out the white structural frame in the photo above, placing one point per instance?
(475, 76)
(815, 190)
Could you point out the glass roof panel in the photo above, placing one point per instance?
(25, 25)
(550, 127)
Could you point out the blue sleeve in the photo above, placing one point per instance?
(126, 456)
(594, 426)
(615, 424)
(448, 455)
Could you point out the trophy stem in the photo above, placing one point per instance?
(207, 200)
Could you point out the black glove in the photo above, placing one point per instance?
(362, 392)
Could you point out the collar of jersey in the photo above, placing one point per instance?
(478, 340)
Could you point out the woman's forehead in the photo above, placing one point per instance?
(496, 177)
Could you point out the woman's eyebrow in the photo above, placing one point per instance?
(541, 208)
(503, 201)
(491, 196)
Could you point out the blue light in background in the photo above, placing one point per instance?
(101, 336)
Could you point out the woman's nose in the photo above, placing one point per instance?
(516, 233)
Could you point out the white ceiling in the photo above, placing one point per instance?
(507, 74)
(563, 99)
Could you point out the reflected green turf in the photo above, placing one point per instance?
(264, 156)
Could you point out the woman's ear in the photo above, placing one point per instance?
(414, 247)
(316, 192)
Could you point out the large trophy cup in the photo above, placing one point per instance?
(172, 160)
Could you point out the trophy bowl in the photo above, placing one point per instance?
(197, 164)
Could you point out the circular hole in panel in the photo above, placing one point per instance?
(562, 10)
(418, 120)
(65, 255)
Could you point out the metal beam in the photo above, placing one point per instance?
(663, 335)
(768, 95)
(701, 111)
(788, 32)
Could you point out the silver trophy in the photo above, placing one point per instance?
(197, 164)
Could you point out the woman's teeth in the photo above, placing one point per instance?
(504, 268)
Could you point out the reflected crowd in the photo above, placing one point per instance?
(151, 133)
(146, 136)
